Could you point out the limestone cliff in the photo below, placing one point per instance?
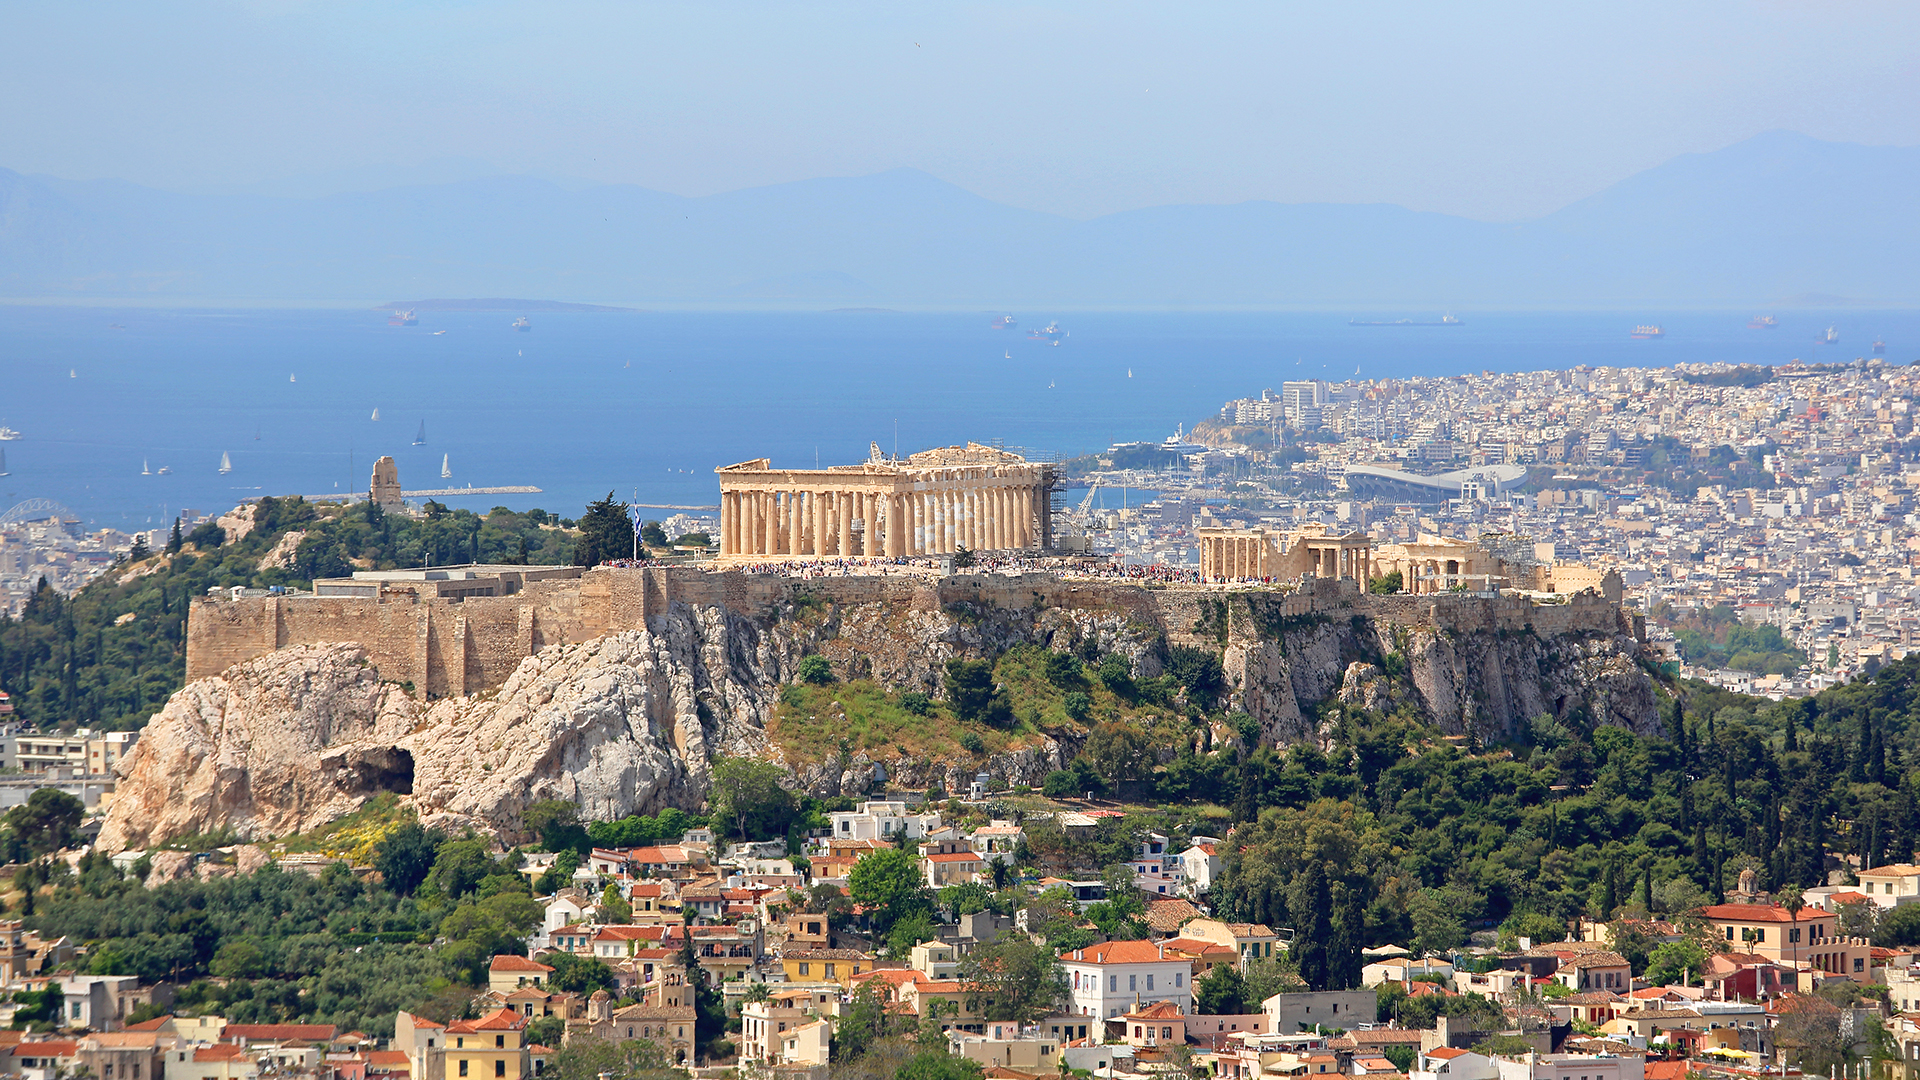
(628, 721)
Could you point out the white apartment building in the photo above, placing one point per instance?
(1114, 977)
(882, 820)
(1892, 885)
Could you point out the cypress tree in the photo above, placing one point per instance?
(1646, 888)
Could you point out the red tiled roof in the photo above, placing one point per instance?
(516, 963)
(1761, 913)
(53, 1048)
(953, 857)
(1116, 952)
(1446, 1053)
(218, 1052)
(279, 1032)
(150, 1025)
(389, 1058)
(497, 1020)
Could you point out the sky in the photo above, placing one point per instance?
(1500, 111)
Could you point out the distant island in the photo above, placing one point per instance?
(494, 303)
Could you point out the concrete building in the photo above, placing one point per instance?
(1330, 1008)
(931, 503)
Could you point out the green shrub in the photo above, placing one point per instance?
(815, 670)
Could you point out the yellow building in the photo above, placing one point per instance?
(489, 1048)
(828, 965)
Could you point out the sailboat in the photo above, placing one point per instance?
(420, 438)
(446, 471)
(256, 433)
(226, 463)
(292, 379)
(144, 471)
(1129, 373)
(376, 414)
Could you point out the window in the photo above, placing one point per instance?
(460, 1043)
(1793, 935)
(1179, 979)
(500, 1067)
(1759, 935)
(1133, 982)
(1149, 981)
(805, 967)
(1113, 984)
(829, 971)
(463, 1066)
(500, 1042)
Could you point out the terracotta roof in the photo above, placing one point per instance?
(1590, 997)
(1385, 1037)
(54, 1048)
(497, 1020)
(1116, 952)
(1891, 870)
(279, 1032)
(389, 1058)
(516, 963)
(1159, 1010)
(1167, 916)
(1666, 1070)
(1446, 1053)
(423, 1022)
(1595, 959)
(1754, 913)
(218, 1052)
(154, 1024)
(953, 857)
(827, 954)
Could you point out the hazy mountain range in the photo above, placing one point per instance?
(1773, 219)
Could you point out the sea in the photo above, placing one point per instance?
(646, 405)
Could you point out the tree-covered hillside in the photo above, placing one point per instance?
(1382, 841)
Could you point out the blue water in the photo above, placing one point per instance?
(647, 404)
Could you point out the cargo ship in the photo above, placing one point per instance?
(522, 324)
(1763, 322)
(1831, 337)
(1647, 333)
(1879, 347)
(1049, 332)
(403, 318)
(1005, 323)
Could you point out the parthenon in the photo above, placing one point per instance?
(930, 503)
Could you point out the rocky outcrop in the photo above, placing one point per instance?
(629, 722)
(256, 749)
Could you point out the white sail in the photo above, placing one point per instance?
(420, 438)
(226, 463)
(144, 471)
(445, 471)
(376, 414)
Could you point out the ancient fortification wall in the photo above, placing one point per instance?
(444, 648)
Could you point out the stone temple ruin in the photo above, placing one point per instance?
(931, 503)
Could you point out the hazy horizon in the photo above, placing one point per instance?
(1499, 113)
